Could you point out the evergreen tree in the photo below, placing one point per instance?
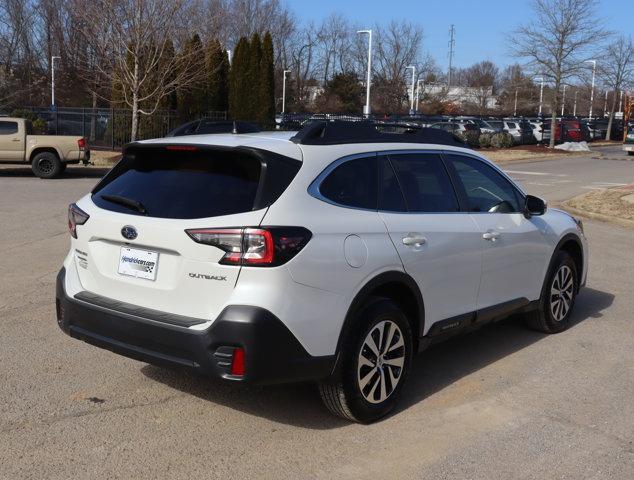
(238, 81)
(254, 72)
(217, 68)
(191, 100)
(266, 113)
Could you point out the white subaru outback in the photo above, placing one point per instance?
(331, 256)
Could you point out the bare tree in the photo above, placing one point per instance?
(133, 41)
(398, 46)
(558, 42)
(617, 69)
(483, 78)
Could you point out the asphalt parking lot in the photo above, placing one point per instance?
(503, 402)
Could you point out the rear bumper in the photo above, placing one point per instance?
(272, 353)
(628, 147)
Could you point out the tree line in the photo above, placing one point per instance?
(153, 54)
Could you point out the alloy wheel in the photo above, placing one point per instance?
(381, 361)
(561, 293)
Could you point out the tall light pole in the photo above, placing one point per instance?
(621, 103)
(574, 110)
(515, 105)
(411, 107)
(284, 91)
(605, 105)
(563, 101)
(594, 68)
(366, 108)
(418, 82)
(53, 58)
(541, 94)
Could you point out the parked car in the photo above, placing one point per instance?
(483, 125)
(48, 155)
(521, 133)
(333, 256)
(206, 126)
(460, 129)
(541, 134)
(628, 144)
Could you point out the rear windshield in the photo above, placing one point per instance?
(181, 184)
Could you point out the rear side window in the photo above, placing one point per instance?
(390, 194)
(8, 128)
(353, 184)
(425, 183)
(186, 184)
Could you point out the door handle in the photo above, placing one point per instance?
(414, 239)
(15, 139)
(491, 235)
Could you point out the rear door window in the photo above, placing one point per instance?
(186, 184)
(425, 183)
(8, 128)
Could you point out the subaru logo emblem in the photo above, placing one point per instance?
(129, 232)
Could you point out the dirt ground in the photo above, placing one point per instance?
(610, 202)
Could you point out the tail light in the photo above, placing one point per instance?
(258, 247)
(76, 216)
(81, 143)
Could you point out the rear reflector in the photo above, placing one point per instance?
(237, 363)
(258, 247)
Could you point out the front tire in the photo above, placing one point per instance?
(46, 165)
(558, 296)
(375, 362)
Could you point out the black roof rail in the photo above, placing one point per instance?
(337, 132)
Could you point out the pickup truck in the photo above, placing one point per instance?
(47, 154)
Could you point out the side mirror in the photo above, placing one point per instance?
(534, 206)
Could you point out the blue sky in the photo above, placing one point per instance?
(481, 25)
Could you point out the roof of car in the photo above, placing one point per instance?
(278, 142)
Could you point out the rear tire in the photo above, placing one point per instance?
(558, 296)
(368, 385)
(46, 165)
(630, 153)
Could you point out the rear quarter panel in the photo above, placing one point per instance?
(65, 146)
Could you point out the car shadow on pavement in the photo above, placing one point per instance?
(435, 369)
(71, 172)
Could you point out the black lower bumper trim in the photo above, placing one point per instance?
(272, 353)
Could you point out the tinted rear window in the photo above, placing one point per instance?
(181, 184)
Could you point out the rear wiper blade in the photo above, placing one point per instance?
(126, 202)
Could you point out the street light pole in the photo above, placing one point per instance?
(541, 95)
(366, 108)
(594, 68)
(418, 92)
(563, 101)
(621, 103)
(284, 90)
(411, 108)
(53, 58)
(605, 105)
(515, 105)
(574, 110)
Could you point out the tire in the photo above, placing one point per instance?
(364, 391)
(630, 153)
(558, 296)
(46, 165)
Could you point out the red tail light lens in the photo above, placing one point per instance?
(258, 247)
(76, 216)
(81, 143)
